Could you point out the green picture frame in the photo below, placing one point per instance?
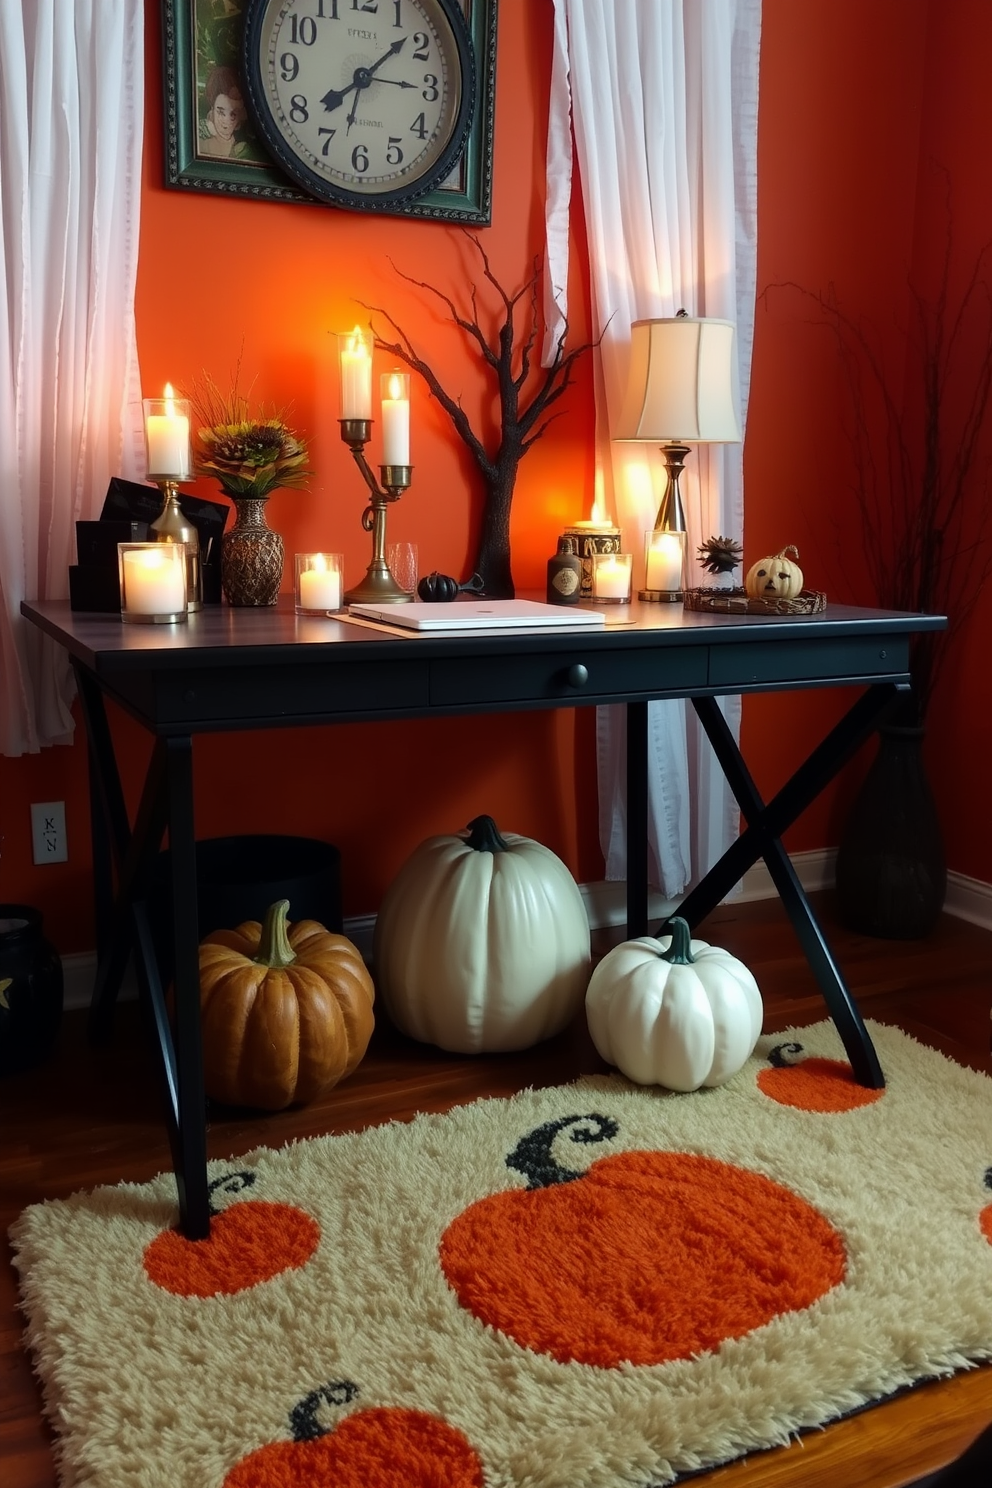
(199, 35)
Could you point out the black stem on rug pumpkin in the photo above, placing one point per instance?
(483, 835)
(988, 1177)
(679, 953)
(783, 1055)
(532, 1155)
(230, 1183)
(304, 1422)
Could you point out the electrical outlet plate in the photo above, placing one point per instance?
(48, 832)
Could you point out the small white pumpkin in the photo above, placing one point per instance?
(675, 1012)
(777, 577)
(482, 942)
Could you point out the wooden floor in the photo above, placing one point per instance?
(92, 1116)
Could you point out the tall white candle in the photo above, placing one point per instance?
(664, 562)
(154, 583)
(167, 435)
(356, 376)
(395, 420)
(320, 589)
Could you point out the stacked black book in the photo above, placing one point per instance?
(128, 512)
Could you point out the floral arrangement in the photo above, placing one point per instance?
(248, 454)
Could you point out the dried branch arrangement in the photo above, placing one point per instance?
(525, 393)
(923, 493)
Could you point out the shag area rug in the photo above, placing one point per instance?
(592, 1286)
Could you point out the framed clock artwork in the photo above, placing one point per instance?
(371, 105)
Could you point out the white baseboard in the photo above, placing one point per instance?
(606, 904)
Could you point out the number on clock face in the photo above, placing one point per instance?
(366, 94)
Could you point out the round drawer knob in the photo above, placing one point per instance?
(577, 675)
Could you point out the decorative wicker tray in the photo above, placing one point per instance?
(739, 602)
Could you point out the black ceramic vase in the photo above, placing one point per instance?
(30, 989)
(891, 872)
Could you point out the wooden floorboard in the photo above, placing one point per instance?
(91, 1116)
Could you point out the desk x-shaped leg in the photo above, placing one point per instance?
(123, 928)
(762, 839)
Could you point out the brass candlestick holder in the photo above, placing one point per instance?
(378, 585)
(172, 526)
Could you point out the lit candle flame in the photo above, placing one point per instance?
(395, 385)
(170, 407)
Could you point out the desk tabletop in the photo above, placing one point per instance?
(222, 634)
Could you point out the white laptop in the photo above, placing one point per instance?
(479, 614)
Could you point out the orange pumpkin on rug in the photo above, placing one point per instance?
(249, 1243)
(286, 1011)
(826, 1085)
(645, 1258)
(384, 1444)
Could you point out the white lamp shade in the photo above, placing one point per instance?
(680, 386)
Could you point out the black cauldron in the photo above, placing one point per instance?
(30, 989)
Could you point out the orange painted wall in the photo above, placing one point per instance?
(845, 115)
(841, 88)
(955, 147)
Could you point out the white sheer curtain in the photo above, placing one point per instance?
(71, 111)
(662, 101)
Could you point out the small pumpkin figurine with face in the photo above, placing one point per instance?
(777, 577)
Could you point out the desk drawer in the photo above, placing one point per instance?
(275, 693)
(557, 676)
(820, 661)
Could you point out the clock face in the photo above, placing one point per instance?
(364, 102)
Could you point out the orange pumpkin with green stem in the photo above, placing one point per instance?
(286, 1011)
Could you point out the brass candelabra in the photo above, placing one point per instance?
(378, 585)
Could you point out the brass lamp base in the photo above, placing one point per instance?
(661, 596)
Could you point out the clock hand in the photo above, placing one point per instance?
(361, 79)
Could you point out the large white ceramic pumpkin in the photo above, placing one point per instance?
(675, 1012)
(482, 942)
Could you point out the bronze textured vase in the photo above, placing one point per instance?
(251, 556)
(891, 873)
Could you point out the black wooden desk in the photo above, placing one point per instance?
(243, 669)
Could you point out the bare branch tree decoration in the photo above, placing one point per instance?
(526, 394)
(922, 489)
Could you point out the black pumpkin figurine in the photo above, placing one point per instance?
(439, 588)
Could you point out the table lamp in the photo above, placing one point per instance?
(680, 390)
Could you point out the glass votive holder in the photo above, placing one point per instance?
(319, 583)
(153, 582)
(611, 575)
(664, 565)
(167, 447)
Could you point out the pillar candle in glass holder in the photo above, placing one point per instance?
(318, 582)
(355, 354)
(395, 389)
(152, 580)
(599, 522)
(167, 435)
(611, 577)
(664, 556)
